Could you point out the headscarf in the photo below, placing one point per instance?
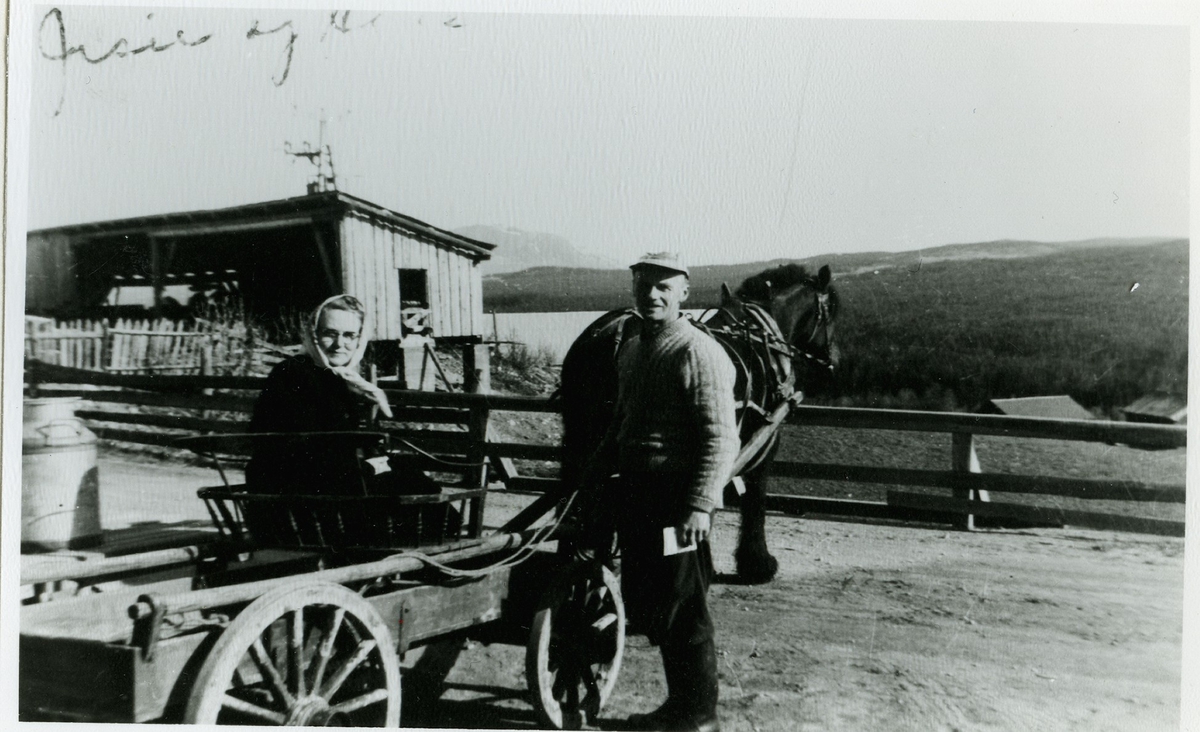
(349, 373)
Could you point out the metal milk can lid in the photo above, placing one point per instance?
(51, 422)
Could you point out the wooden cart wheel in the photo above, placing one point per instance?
(575, 646)
(316, 654)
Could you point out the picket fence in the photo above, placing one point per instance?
(140, 346)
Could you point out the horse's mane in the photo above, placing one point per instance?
(760, 287)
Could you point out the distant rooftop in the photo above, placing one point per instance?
(1057, 407)
(1158, 406)
(284, 212)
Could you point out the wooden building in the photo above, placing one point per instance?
(279, 256)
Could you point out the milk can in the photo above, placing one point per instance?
(60, 484)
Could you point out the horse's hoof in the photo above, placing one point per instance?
(758, 571)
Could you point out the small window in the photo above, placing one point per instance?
(414, 288)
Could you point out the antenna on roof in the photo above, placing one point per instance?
(321, 157)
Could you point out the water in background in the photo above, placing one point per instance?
(554, 332)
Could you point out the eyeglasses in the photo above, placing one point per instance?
(333, 336)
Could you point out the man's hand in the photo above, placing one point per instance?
(694, 529)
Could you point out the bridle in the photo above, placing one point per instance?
(822, 322)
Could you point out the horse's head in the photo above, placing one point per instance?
(805, 308)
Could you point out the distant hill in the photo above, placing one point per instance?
(1104, 321)
(517, 250)
(548, 286)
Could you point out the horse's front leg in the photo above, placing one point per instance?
(754, 561)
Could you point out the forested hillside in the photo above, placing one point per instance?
(1104, 323)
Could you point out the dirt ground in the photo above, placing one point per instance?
(867, 626)
(875, 627)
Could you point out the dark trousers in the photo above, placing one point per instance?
(665, 597)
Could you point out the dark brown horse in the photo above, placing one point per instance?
(778, 331)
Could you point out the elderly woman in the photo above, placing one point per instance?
(319, 390)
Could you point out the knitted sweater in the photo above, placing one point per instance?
(675, 410)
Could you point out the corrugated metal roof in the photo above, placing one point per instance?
(1059, 407)
(1159, 404)
(284, 212)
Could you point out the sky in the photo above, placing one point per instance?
(730, 139)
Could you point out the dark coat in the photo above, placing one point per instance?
(300, 396)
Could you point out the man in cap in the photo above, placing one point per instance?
(673, 441)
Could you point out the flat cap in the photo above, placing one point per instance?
(663, 260)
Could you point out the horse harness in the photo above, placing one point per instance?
(760, 354)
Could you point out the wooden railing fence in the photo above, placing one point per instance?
(457, 423)
(138, 346)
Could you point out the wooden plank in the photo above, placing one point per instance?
(1127, 433)
(426, 611)
(524, 451)
(504, 466)
(143, 343)
(138, 437)
(363, 269)
(477, 299)
(532, 484)
(257, 223)
(426, 415)
(453, 262)
(964, 461)
(223, 596)
(805, 505)
(51, 373)
(184, 401)
(462, 400)
(441, 273)
(1098, 489)
(441, 443)
(85, 680)
(163, 420)
(1039, 514)
(78, 679)
(381, 269)
(427, 255)
(48, 373)
(392, 282)
(52, 568)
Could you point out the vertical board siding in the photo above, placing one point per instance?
(373, 253)
(447, 299)
(389, 286)
(456, 294)
(377, 286)
(383, 315)
(462, 265)
(477, 299)
(345, 249)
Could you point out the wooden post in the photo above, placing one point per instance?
(438, 365)
(505, 467)
(156, 278)
(476, 455)
(964, 460)
(495, 332)
(206, 362)
(477, 371)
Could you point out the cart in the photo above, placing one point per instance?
(300, 612)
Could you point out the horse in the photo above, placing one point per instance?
(778, 329)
